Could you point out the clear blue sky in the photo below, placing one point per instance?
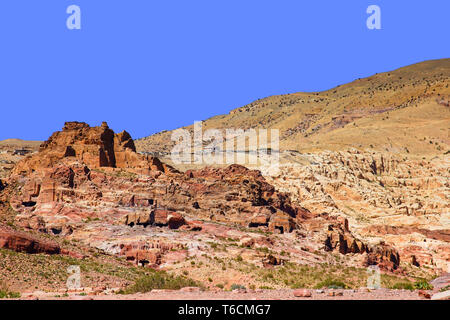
(147, 65)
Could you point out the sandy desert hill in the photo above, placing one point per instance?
(403, 111)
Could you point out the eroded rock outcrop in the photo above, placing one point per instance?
(401, 200)
(340, 238)
(22, 242)
(153, 216)
(85, 175)
(95, 147)
(147, 253)
(383, 255)
(88, 184)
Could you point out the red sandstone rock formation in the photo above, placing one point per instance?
(271, 260)
(22, 242)
(385, 256)
(147, 253)
(341, 239)
(96, 147)
(81, 169)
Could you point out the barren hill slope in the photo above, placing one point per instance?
(12, 150)
(402, 111)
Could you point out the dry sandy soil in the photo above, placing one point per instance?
(359, 294)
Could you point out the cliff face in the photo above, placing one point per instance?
(95, 147)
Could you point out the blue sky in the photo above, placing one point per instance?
(146, 65)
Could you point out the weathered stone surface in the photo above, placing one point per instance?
(190, 289)
(212, 208)
(402, 200)
(175, 221)
(281, 222)
(146, 253)
(383, 255)
(271, 260)
(441, 282)
(247, 242)
(81, 169)
(424, 294)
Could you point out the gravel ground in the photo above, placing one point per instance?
(329, 294)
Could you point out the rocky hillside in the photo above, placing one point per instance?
(404, 111)
(13, 150)
(384, 197)
(374, 151)
(364, 181)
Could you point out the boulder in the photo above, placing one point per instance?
(340, 239)
(271, 260)
(302, 293)
(141, 254)
(168, 218)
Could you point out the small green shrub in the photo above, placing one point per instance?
(445, 288)
(403, 285)
(331, 284)
(423, 284)
(160, 280)
(266, 287)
